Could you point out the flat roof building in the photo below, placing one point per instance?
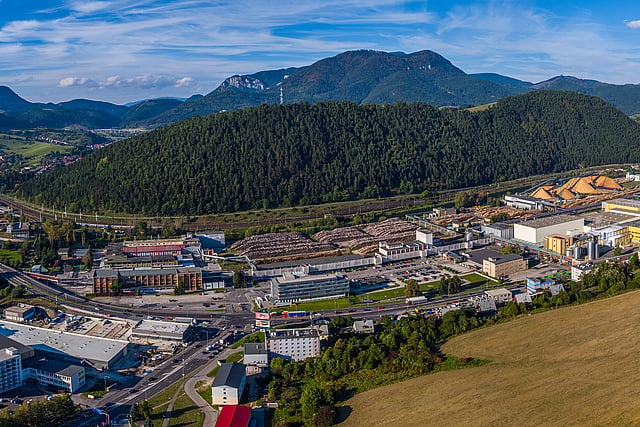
(102, 353)
(10, 369)
(154, 330)
(504, 265)
(120, 262)
(294, 288)
(20, 313)
(153, 247)
(534, 231)
(399, 251)
(296, 344)
(160, 279)
(627, 205)
(498, 230)
(255, 353)
(500, 296)
(57, 374)
(314, 265)
(536, 285)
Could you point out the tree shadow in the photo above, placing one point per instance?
(342, 413)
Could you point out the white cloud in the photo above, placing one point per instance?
(633, 24)
(72, 81)
(89, 7)
(184, 82)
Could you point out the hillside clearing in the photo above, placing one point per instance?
(572, 366)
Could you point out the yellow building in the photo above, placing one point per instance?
(504, 265)
(628, 205)
(633, 230)
(557, 244)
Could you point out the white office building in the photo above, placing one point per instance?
(10, 369)
(57, 374)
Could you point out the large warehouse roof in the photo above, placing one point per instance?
(99, 351)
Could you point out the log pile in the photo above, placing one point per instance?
(392, 230)
(278, 244)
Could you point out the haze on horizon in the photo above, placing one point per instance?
(127, 50)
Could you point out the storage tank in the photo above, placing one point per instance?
(577, 252)
(592, 250)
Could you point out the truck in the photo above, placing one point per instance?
(294, 313)
(226, 339)
(416, 300)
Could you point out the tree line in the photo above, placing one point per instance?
(300, 154)
(307, 391)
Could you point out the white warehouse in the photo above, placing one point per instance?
(535, 230)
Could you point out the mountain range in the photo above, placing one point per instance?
(301, 154)
(361, 76)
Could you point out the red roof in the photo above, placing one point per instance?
(234, 416)
(155, 248)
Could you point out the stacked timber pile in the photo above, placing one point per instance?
(483, 213)
(278, 244)
(392, 230)
(345, 237)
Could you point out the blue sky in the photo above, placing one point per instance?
(126, 50)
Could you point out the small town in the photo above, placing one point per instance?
(117, 324)
(314, 214)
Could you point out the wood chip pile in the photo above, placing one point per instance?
(392, 230)
(278, 244)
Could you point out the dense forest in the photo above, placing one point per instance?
(274, 155)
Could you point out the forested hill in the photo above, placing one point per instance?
(275, 155)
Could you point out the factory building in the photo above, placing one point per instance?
(153, 247)
(627, 205)
(101, 353)
(294, 288)
(122, 262)
(557, 244)
(498, 230)
(528, 203)
(534, 231)
(158, 279)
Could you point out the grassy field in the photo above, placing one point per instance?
(185, 413)
(572, 366)
(204, 389)
(482, 107)
(32, 151)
